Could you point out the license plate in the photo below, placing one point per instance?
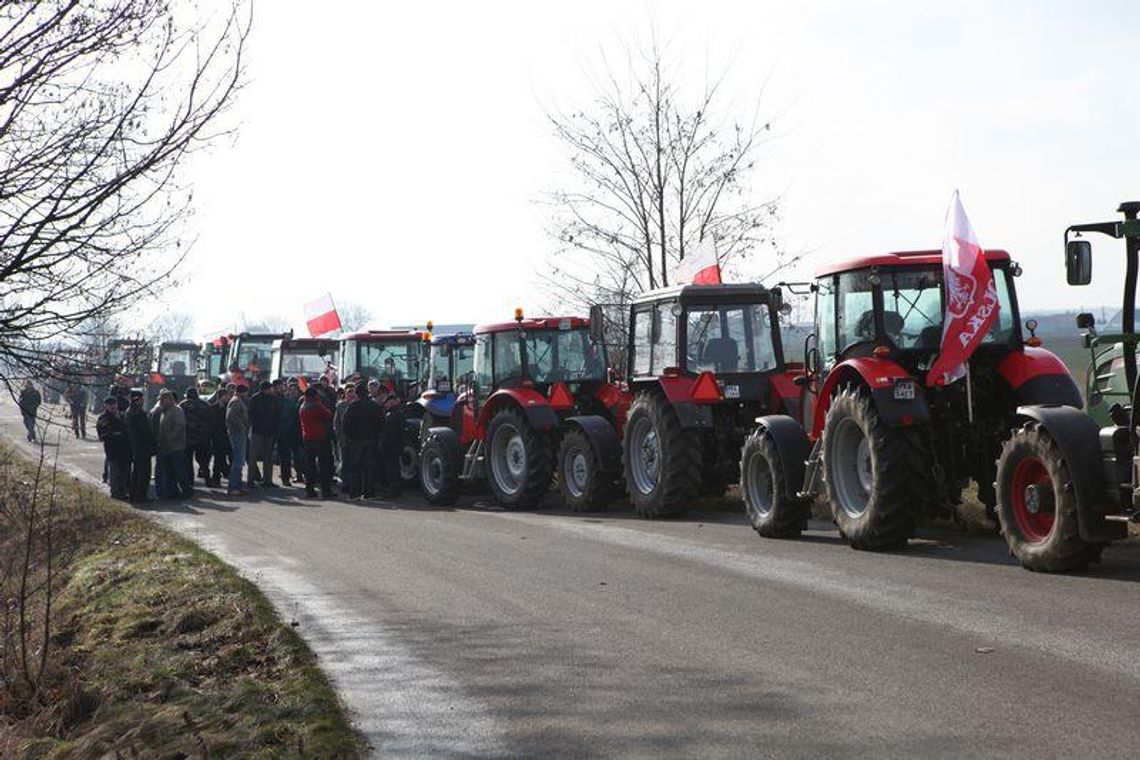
(904, 390)
(732, 391)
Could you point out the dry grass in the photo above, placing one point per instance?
(158, 649)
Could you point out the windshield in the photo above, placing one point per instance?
(130, 358)
(566, 355)
(214, 364)
(311, 362)
(450, 365)
(729, 338)
(390, 361)
(177, 361)
(255, 352)
(913, 308)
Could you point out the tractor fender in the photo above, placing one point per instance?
(448, 437)
(879, 376)
(536, 407)
(792, 443)
(678, 391)
(1078, 437)
(440, 406)
(785, 393)
(603, 437)
(1037, 377)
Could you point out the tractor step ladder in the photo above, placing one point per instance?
(812, 474)
(472, 461)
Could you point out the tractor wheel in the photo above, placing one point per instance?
(585, 487)
(1037, 506)
(662, 460)
(520, 461)
(410, 462)
(439, 472)
(876, 475)
(773, 510)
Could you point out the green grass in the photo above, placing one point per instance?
(159, 649)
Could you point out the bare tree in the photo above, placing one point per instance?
(100, 103)
(171, 326)
(353, 316)
(658, 170)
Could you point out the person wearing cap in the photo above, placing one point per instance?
(263, 416)
(362, 431)
(220, 450)
(111, 429)
(316, 432)
(171, 441)
(237, 427)
(199, 421)
(143, 447)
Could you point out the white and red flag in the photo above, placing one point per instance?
(699, 267)
(971, 298)
(321, 316)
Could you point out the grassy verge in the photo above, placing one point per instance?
(155, 647)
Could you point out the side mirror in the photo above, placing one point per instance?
(1078, 262)
(1085, 321)
(597, 323)
(776, 297)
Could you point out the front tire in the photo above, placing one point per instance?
(1037, 504)
(876, 475)
(584, 486)
(772, 509)
(662, 460)
(519, 458)
(439, 472)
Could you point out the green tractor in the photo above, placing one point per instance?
(1068, 482)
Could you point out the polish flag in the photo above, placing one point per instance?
(971, 298)
(321, 316)
(699, 267)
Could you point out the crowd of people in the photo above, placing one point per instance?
(315, 435)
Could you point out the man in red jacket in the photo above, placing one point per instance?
(316, 429)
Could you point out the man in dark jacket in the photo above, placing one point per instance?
(143, 447)
(362, 432)
(289, 449)
(220, 448)
(112, 431)
(77, 408)
(199, 424)
(30, 400)
(262, 430)
(392, 444)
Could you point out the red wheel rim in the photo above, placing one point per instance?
(1031, 472)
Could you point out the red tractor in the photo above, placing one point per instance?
(870, 435)
(541, 402)
(704, 362)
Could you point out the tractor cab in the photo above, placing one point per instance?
(213, 363)
(704, 362)
(175, 368)
(450, 373)
(304, 358)
(396, 356)
(127, 362)
(251, 356)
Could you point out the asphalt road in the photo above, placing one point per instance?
(475, 632)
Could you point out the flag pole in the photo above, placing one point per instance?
(969, 395)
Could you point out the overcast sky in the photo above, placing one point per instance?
(392, 154)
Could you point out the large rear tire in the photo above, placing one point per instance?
(661, 459)
(439, 472)
(1037, 504)
(771, 507)
(584, 485)
(876, 476)
(520, 466)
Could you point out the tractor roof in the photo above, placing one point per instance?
(897, 259)
(381, 336)
(178, 345)
(535, 323)
(307, 343)
(454, 339)
(748, 292)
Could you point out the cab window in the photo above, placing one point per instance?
(665, 347)
(825, 320)
(642, 344)
(856, 312)
(483, 366)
